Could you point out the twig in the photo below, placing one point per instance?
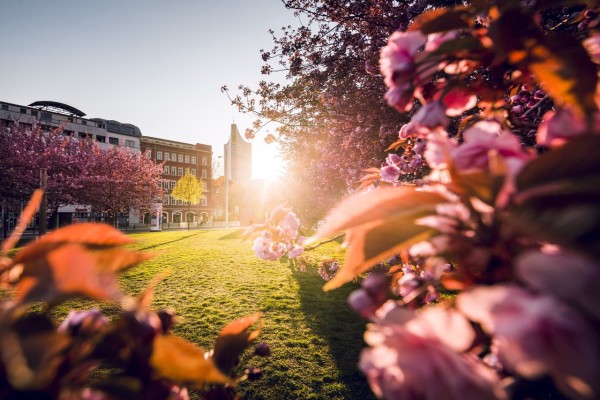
(322, 243)
(538, 105)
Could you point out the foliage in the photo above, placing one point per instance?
(40, 360)
(331, 117)
(79, 171)
(188, 189)
(510, 232)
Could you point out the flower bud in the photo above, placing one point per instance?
(262, 349)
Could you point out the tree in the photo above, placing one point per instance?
(334, 121)
(189, 190)
(79, 171)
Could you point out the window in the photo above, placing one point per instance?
(5, 107)
(34, 113)
(173, 157)
(148, 153)
(101, 139)
(173, 183)
(166, 199)
(129, 143)
(173, 170)
(83, 135)
(67, 132)
(46, 116)
(193, 171)
(113, 127)
(167, 156)
(187, 159)
(204, 186)
(83, 122)
(194, 159)
(179, 202)
(23, 111)
(204, 161)
(159, 155)
(113, 140)
(180, 158)
(204, 174)
(180, 171)
(204, 203)
(166, 167)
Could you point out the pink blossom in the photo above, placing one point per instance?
(559, 126)
(435, 40)
(569, 276)
(439, 149)
(431, 116)
(458, 100)
(416, 356)
(398, 66)
(537, 335)
(397, 60)
(295, 252)
(267, 249)
(592, 45)
(390, 173)
(288, 226)
(482, 138)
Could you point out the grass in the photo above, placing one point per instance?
(215, 278)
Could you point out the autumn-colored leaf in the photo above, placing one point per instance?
(379, 223)
(91, 234)
(178, 360)
(442, 19)
(366, 207)
(565, 70)
(26, 216)
(232, 342)
(558, 196)
(116, 260)
(66, 271)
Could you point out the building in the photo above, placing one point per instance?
(108, 133)
(51, 114)
(177, 158)
(238, 157)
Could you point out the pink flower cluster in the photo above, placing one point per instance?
(279, 237)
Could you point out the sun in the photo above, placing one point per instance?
(266, 161)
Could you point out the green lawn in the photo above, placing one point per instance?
(314, 337)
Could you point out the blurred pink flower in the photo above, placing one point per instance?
(559, 126)
(397, 64)
(483, 137)
(435, 40)
(431, 116)
(569, 276)
(537, 335)
(458, 100)
(295, 252)
(288, 226)
(267, 249)
(416, 356)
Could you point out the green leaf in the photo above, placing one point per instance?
(558, 196)
(443, 19)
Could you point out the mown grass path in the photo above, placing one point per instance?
(215, 278)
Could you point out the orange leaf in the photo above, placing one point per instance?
(91, 234)
(66, 271)
(233, 340)
(183, 362)
(366, 207)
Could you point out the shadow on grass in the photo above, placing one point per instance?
(332, 319)
(173, 241)
(237, 234)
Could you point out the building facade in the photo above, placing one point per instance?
(238, 157)
(177, 158)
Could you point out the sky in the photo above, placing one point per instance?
(155, 64)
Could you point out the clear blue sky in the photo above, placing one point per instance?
(156, 64)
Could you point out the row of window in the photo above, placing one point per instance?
(178, 171)
(47, 117)
(100, 138)
(167, 185)
(182, 158)
(170, 200)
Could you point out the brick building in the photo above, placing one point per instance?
(177, 158)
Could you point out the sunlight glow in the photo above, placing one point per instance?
(266, 161)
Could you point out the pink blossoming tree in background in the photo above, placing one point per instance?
(505, 229)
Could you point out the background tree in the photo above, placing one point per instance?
(333, 119)
(79, 171)
(188, 189)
